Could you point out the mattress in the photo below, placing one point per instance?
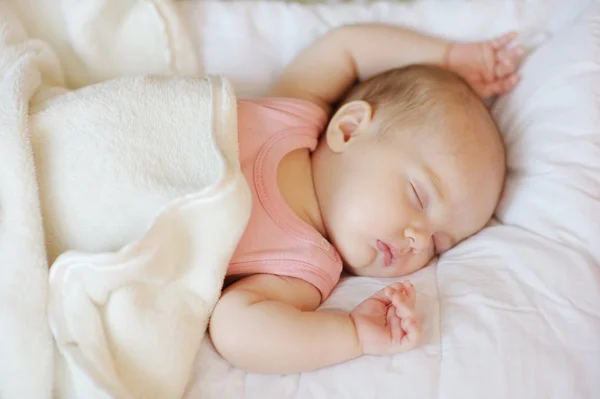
(513, 312)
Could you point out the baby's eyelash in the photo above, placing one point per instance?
(417, 195)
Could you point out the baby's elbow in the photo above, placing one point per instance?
(227, 333)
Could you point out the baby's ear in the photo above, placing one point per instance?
(350, 121)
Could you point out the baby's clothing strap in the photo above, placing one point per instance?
(276, 240)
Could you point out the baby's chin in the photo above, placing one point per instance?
(377, 270)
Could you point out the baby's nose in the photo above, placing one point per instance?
(419, 240)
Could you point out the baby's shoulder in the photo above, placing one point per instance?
(281, 112)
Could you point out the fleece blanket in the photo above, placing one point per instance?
(131, 191)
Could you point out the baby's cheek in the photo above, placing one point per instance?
(356, 213)
(423, 260)
(353, 238)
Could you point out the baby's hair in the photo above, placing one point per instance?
(414, 94)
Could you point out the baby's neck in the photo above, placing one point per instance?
(295, 183)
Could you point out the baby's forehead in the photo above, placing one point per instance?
(454, 116)
(434, 129)
(431, 111)
(458, 146)
(463, 149)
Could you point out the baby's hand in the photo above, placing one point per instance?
(489, 67)
(386, 323)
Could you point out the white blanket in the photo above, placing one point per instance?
(110, 156)
(142, 174)
(26, 343)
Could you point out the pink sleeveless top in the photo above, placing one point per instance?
(276, 240)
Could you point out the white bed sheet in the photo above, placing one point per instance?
(250, 41)
(511, 313)
(505, 316)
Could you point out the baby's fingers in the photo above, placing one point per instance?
(385, 295)
(502, 41)
(512, 55)
(504, 68)
(395, 325)
(498, 87)
(401, 301)
(391, 290)
(509, 83)
(412, 331)
(411, 294)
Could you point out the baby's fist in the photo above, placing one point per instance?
(487, 66)
(385, 323)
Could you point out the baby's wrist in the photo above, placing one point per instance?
(446, 62)
(358, 348)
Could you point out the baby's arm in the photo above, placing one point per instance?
(325, 70)
(268, 324)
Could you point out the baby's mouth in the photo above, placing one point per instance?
(389, 253)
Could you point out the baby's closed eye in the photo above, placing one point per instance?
(417, 196)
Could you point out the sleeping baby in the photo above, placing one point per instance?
(408, 164)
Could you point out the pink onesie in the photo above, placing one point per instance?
(276, 240)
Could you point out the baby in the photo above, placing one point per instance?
(409, 164)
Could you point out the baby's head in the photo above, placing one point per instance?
(411, 164)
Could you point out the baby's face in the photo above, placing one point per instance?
(400, 202)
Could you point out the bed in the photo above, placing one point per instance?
(513, 312)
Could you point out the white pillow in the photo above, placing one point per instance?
(251, 41)
(551, 126)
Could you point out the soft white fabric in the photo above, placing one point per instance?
(110, 156)
(102, 39)
(512, 312)
(250, 41)
(139, 175)
(26, 351)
